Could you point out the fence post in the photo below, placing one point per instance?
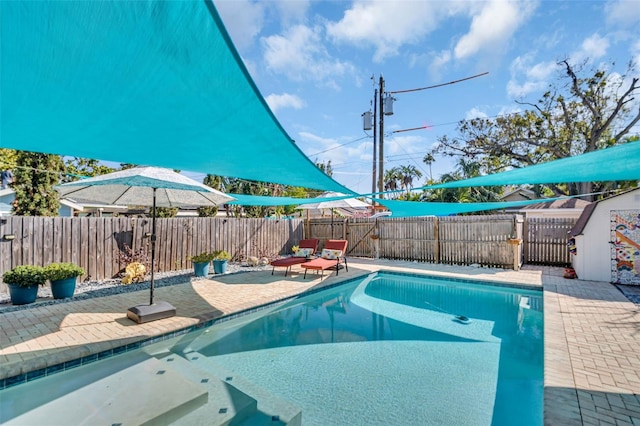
(436, 232)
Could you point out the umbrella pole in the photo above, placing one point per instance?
(153, 244)
(160, 310)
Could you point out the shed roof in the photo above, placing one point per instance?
(578, 228)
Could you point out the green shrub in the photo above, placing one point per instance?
(25, 276)
(204, 257)
(62, 271)
(221, 255)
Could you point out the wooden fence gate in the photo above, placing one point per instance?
(545, 241)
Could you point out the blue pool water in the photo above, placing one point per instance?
(395, 349)
(386, 349)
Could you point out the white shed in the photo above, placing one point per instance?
(607, 240)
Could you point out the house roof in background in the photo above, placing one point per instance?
(565, 203)
(524, 192)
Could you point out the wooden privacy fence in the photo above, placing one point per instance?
(96, 243)
(545, 241)
(486, 240)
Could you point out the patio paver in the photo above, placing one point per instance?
(592, 331)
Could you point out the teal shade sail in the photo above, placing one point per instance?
(417, 208)
(621, 162)
(143, 82)
(397, 207)
(259, 200)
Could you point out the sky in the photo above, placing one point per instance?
(317, 65)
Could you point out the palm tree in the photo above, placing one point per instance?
(407, 175)
(465, 170)
(429, 160)
(392, 177)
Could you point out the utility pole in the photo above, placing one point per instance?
(373, 175)
(384, 106)
(381, 138)
(381, 107)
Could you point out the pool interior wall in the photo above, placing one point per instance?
(335, 356)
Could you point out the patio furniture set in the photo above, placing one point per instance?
(332, 256)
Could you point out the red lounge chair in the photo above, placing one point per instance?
(320, 264)
(288, 262)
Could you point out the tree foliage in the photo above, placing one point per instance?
(8, 158)
(578, 114)
(77, 168)
(326, 168)
(464, 170)
(34, 178)
(401, 178)
(215, 182)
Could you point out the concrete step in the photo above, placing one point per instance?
(131, 389)
(226, 406)
(271, 410)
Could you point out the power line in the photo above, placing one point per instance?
(340, 146)
(439, 85)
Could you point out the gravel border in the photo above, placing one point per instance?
(90, 289)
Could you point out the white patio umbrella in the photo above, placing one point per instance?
(145, 186)
(346, 203)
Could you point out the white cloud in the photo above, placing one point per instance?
(493, 26)
(300, 55)
(635, 52)
(318, 140)
(387, 25)
(404, 145)
(439, 61)
(243, 20)
(592, 47)
(527, 78)
(284, 100)
(292, 11)
(623, 13)
(541, 71)
(346, 159)
(475, 113)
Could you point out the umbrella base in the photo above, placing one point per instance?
(147, 313)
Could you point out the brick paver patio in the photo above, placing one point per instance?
(592, 331)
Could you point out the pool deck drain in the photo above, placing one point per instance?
(592, 331)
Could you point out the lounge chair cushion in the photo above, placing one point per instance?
(303, 252)
(330, 254)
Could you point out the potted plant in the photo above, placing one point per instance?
(201, 263)
(63, 277)
(220, 260)
(23, 282)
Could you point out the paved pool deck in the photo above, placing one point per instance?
(592, 331)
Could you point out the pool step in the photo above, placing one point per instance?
(272, 410)
(144, 392)
(226, 406)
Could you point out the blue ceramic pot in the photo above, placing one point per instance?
(220, 266)
(22, 295)
(201, 269)
(63, 289)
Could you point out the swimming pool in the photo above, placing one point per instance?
(386, 349)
